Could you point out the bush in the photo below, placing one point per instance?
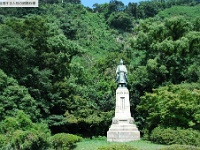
(21, 133)
(25, 140)
(117, 147)
(64, 141)
(180, 147)
(179, 136)
(31, 140)
(20, 121)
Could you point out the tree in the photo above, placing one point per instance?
(15, 53)
(197, 24)
(101, 8)
(73, 1)
(115, 6)
(177, 27)
(120, 21)
(169, 44)
(147, 9)
(50, 62)
(14, 97)
(171, 106)
(132, 9)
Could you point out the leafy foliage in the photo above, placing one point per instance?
(171, 106)
(14, 97)
(187, 12)
(64, 141)
(120, 21)
(21, 133)
(179, 136)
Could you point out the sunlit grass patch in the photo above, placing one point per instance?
(95, 143)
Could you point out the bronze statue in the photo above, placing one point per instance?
(121, 75)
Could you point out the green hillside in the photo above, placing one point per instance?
(190, 13)
(58, 61)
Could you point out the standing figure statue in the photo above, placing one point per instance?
(121, 75)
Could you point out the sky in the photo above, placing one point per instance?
(90, 3)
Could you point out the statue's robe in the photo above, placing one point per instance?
(121, 74)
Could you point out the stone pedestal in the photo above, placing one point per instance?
(123, 128)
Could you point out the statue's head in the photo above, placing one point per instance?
(121, 62)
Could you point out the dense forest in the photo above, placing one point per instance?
(58, 62)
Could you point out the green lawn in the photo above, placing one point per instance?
(93, 144)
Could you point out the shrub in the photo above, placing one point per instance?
(180, 147)
(25, 140)
(64, 141)
(179, 136)
(117, 147)
(20, 121)
(31, 140)
(21, 133)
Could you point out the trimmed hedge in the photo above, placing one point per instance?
(64, 141)
(179, 136)
(117, 147)
(180, 147)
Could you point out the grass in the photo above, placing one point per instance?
(93, 144)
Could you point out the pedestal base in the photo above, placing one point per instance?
(123, 131)
(123, 128)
